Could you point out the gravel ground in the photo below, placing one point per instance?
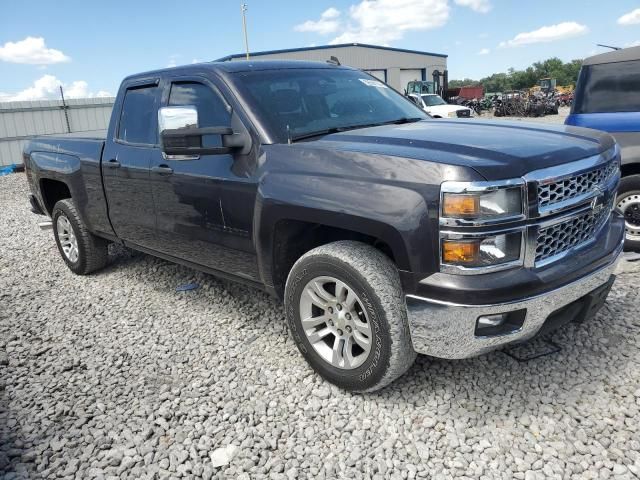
(117, 375)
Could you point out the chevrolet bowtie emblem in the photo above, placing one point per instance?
(597, 204)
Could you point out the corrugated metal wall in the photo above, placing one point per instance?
(365, 58)
(20, 121)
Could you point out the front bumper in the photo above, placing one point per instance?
(448, 330)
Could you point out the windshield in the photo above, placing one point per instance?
(308, 101)
(433, 100)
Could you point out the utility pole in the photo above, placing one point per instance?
(243, 8)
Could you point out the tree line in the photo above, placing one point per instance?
(564, 73)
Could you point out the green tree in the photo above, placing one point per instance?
(564, 73)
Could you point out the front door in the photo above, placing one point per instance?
(204, 205)
(126, 162)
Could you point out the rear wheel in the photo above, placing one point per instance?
(628, 203)
(346, 312)
(82, 251)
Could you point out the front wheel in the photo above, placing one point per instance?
(82, 251)
(346, 312)
(628, 203)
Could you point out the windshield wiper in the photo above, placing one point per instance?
(328, 131)
(402, 120)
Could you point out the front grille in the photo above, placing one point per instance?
(556, 192)
(564, 236)
(463, 113)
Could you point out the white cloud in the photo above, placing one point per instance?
(484, 51)
(48, 87)
(548, 33)
(480, 6)
(173, 60)
(384, 21)
(31, 50)
(631, 18)
(632, 44)
(328, 23)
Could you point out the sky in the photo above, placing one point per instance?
(89, 46)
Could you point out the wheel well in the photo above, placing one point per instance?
(294, 238)
(630, 169)
(52, 192)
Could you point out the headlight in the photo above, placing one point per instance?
(452, 115)
(473, 203)
(468, 206)
(484, 251)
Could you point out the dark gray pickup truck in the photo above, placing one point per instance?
(386, 233)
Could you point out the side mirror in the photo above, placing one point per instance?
(181, 136)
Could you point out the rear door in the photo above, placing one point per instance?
(205, 204)
(126, 163)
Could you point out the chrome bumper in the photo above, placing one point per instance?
(447, 330)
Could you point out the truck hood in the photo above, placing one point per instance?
(496, 150)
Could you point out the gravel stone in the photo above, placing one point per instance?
(161, 383)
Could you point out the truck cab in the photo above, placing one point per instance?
(607, 97)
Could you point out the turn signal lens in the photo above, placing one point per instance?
(486, 251)
(458, 205)
(454, 252)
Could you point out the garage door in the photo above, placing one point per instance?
(409, 75)
(379, 74)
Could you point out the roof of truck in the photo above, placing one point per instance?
(622, 55)
(240, 66)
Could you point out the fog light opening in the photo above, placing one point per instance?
(491, 320)
(500, 323)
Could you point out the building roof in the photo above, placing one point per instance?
(324, 47)
(622, 55)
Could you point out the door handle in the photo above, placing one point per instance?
(113, 163)
(162, 170)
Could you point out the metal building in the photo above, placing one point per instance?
(20, 121)
(396, 66)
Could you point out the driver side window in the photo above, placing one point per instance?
(212, 109)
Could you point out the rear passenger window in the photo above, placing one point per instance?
(139, 118)
(212, 110)
(610, 87)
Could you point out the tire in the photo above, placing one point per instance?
(628, 203)
(82, 251)
(370, 278)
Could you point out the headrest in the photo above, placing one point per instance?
(287, 101)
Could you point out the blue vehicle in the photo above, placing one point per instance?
(607, 98)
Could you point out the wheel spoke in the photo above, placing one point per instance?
(337, 352)
(345, 295)
(318, 287)
(319, 295)
(348, 352)
(311, 322)
(362, 327)
(360, 339)
(341, 291)
(318, 335)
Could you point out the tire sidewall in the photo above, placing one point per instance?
(374, 367)
(59, 210)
